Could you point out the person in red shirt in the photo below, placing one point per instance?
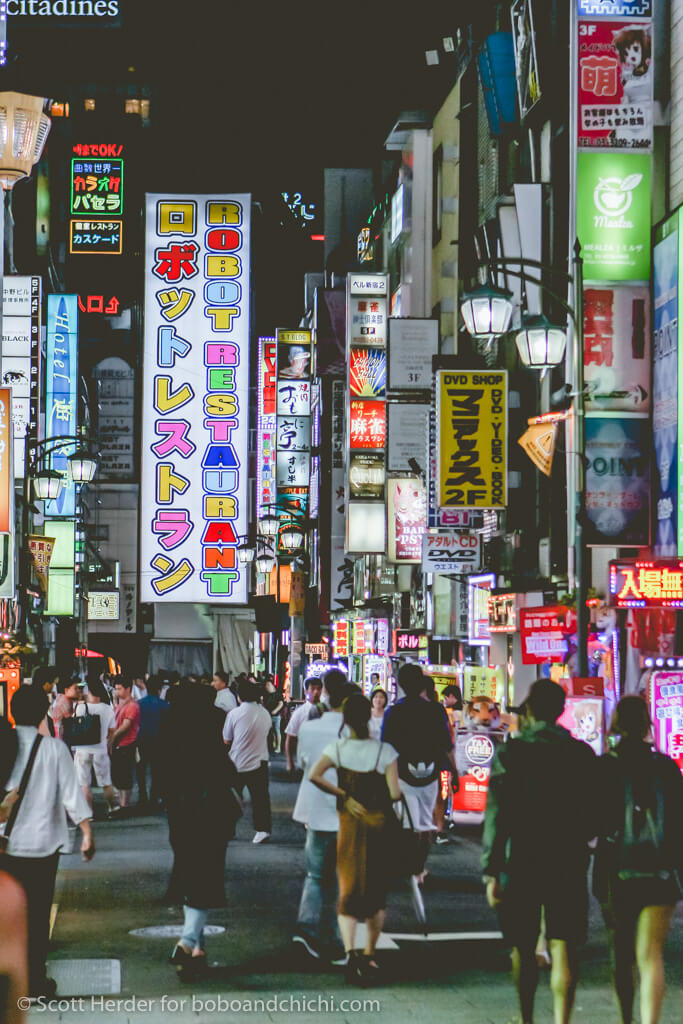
(122, 743)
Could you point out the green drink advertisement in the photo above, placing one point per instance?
(613, 215)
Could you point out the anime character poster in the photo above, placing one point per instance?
(583, 717)
(615, 77)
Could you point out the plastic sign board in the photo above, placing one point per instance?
(195, 398)
(410, 641)
(367, 373)
(667, 393)
(21, 319)
(412, 343)
(6, 478)
(367, 424)
(103, 604)
(544, 632)
(61, 386)
(616, 333)
(478, 597)
(451, 551)
(666, 711)
(613, 218)
(406, 518)
(340, 638)
(294, 352)
(471, 415)
(96, 237)
(97, 186)
(655, 584)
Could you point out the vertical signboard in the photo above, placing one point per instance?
(21, 318)
(471, 414)
(406, 519)
(617, 480)
(195, 398)
(340, 577)
(61, 390)
(115, 381)
(666, 711)
(6, 481)
(266, 425)
(665, 389)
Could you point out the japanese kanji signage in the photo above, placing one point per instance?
(21, 319)
(613, 215)
(617, 480)
(366, 475)
(41, 549)
(615, 78)
(451, 551)
(666, 711)
(195, 398)
(103, 604)
(406, 518)
(61, 386)
(266, 425)
(544, 632)
(96, 237)
(368, 373)
(616, 332)
(471, 418)
(6, 480)
(340, 638)
(655, 584)
(367, 424)
(97, 187)
(294, 398)
(667, 393)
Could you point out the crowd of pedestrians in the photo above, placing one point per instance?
(371, 793)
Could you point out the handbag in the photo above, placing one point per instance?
(82, 730)
(4, 839)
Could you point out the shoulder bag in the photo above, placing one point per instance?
(82, 731)
(4, 839)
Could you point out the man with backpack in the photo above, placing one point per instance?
(418, 729)
(540, 816)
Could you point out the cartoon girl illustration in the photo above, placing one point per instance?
(633, 43)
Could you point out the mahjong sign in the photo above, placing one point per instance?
(195, 398)
(613, 220)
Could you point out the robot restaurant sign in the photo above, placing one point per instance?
(638, 584)
(195, 398)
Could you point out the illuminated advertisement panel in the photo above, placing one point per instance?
(195, 398)
(266, 425)
(367, 373)
(406, 518)
(666, 711)
(61, 385)
(665, 387)
(368, 424)
(21, 319)
(96, 237)
(6, 481)
(478, 597)
(294, 352)
(652, 584)
(294, 398)
(97, 186)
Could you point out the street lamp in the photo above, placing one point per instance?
(246, 553)
(24, 127)
(540, 343)
(487, 312)
(292, 539)
(47, 485)
(268, 525)
(82, 466)
(264, 562)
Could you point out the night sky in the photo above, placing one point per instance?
(254, 95)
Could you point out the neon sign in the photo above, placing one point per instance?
(98, 304)
(646, 584)
(96, 237)
(97, 187)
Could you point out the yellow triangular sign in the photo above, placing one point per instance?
(539, 444)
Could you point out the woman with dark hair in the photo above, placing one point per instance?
(367, 776)
(639, 857)
(202, 811)
(378, 705)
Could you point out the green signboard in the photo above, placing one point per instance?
(613, 215)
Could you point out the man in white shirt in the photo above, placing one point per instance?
(246, 736)
(316, 927)
(225, 698)
(40, 830)
(308, 709)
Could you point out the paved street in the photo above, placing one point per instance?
(456, 979)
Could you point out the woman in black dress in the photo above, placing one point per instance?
(639, 857)
(202, 811)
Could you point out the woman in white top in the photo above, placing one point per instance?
(367, 775)
(97, 755)
(378, 705)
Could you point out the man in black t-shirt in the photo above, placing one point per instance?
(418, 729)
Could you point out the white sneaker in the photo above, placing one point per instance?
(261, 837)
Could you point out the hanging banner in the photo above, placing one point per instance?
(617, 481)
(406, 518)
(195, 398)
(61, 386)
(6, 478)
(539, 444)
(471, 418)
(41, 549)
(615, 76)
(613, 217)
(616, 332)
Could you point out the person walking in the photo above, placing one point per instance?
(639, 860)
(225, 698)
(36, 829)
(122, 742)
(245, 733)
(378, 704)
(68, 692)
(540, 816)
(152, 710)
(367, 783)
(273, 703)
(202, 811)
(316, 925)
(313, 689)
(418, 729)
(95, 756)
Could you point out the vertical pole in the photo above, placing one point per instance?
(572, 357)
(581, 564)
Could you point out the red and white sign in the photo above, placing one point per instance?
(368, 424)
(544, 633)
(646, 584)
(451, 552)
(340, 640)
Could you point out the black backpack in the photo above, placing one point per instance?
(641, 841)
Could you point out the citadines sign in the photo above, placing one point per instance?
(63, 9)
(613, 220)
